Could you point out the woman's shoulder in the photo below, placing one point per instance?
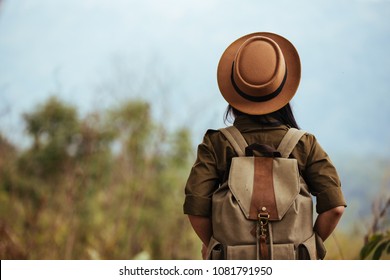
(309, 147)
(214, 133)
(309, 138)
(210, 137)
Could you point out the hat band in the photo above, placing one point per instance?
(258, 98)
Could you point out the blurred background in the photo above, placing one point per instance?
(103, 103)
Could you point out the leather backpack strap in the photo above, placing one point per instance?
(289, 141)
(235, 138)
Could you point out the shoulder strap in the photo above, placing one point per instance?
(235, 138)
(289, 141)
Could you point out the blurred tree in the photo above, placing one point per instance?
(377, 239)
(108, 186)
(147, 185)
(131, 123)
(8, 155)
(10, 245)
(53, 127)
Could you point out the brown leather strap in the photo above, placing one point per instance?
(263, 249)
(263, 195)
(261, 241)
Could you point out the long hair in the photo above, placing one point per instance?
(284, 116)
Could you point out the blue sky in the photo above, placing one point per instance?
(95, 53)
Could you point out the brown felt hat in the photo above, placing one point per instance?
(259, 73)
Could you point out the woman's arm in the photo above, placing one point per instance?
(327, 221)
(202, 227)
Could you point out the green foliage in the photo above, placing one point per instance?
(53, 127)
(106, 186)
(377, 246)
(377, 240)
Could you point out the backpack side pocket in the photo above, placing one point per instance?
(215, 250)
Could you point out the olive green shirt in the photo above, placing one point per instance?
(214, 157)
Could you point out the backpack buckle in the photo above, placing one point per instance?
(263, 216)
(262, 250)
(263, 221)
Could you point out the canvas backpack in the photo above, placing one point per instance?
(264, 210)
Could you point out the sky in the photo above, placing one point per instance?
(96, 53)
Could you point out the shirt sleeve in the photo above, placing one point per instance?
(202, 181)
(322, 178)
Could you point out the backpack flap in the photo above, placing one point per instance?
(264, 184)
(240, 182)
(286, 183)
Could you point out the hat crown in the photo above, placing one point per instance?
(259, 73)
(259, 67)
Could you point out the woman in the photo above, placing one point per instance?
(258, 75)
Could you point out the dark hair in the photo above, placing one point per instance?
(283, 116)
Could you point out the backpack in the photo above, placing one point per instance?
(264, 210)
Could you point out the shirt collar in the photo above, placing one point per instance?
(246, 123)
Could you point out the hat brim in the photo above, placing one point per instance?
(259, 108)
